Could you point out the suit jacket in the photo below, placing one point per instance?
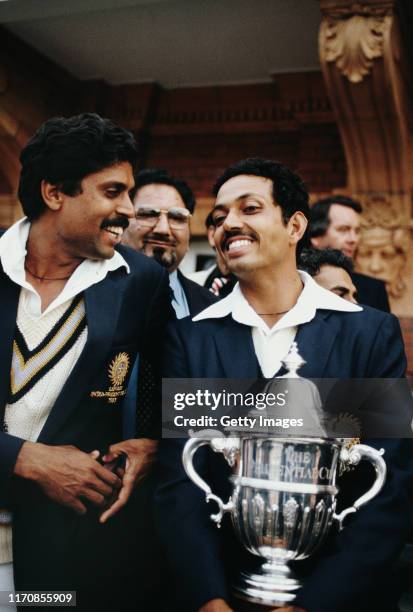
(53, 547)
(198, 297)
(353, 569)
(226, 289)
(371, 291)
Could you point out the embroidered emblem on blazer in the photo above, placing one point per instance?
(29, 366)
(117, 372)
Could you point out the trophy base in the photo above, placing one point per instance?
(273, 586)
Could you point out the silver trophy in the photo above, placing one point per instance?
(283, 500)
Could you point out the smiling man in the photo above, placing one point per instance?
(161, 230)
(74, 314)
(260, 218)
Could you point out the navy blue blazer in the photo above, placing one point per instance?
(126, 313)
(371, 291)
(353, 570)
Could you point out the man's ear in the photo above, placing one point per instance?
(51, 195)
(297, 225)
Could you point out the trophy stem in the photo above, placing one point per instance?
(272, 585)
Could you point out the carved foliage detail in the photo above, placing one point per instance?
(354, 43)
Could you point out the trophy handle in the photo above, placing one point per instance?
(353, 456)
(229, 448)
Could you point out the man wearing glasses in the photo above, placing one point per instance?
(163, 208)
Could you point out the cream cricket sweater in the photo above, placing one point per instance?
(25, 417)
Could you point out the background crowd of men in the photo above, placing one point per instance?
(95, 311)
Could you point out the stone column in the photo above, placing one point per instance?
(368, 78)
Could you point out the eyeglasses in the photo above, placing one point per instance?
(178, 218)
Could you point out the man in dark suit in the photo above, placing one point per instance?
(74, 314)
(334, 223)
(260, 219)
(161, 230)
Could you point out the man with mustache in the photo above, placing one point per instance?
(260, 218)
(161, 230)
(76, 309)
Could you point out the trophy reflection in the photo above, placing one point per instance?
(283, 501)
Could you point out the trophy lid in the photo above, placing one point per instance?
(293, 361)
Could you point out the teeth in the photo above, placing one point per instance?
(115, 230)
(238, 243)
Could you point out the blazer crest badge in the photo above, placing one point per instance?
(117, 372)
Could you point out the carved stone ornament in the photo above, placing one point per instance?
(354, 43)
(385, 244)
(346, 8)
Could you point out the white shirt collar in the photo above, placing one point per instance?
(13, 254)
(312, 298)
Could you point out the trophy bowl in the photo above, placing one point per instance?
(283, 501)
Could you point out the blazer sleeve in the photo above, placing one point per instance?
(190, 540)
(9, 449)
(356, 570)
(387, 357)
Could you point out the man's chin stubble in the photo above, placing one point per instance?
(164, 258)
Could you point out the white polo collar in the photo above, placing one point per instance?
(89, 272)
(312, 298)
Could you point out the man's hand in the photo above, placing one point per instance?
(139, 454)
(216, 605)
(67, 475)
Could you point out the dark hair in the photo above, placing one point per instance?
(209, 221)
(319, 213)
(311, 260)
(64, 151)
(289, 191)
(159, 176)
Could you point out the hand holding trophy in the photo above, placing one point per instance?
(283, 501)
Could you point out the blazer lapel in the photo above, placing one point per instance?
(102, 302)
(8, 314)
(235, 347)
(235, 350)
(315, 341)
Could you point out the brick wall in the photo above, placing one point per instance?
(197, 132)
(315, 153)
